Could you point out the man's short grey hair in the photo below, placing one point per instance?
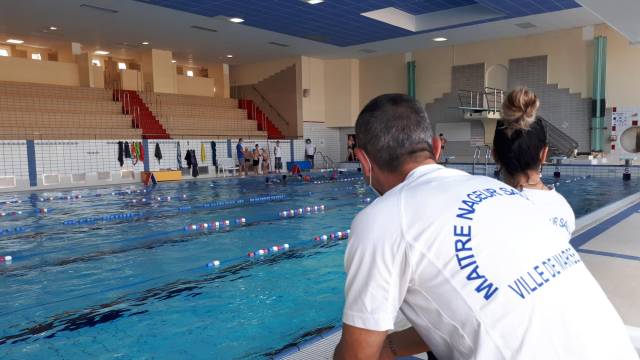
(391, 128)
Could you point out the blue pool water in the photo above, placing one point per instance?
(113, 276)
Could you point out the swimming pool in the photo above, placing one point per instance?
(128, 272)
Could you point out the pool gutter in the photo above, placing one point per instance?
(592, 219)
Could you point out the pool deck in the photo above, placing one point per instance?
(608, 241)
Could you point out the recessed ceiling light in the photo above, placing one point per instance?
(145, 43)
(236, 20)
(229, 56)
(15, 41)
(173, 61)
(53, 28)
(525, 25)
(101, 52)
(313, 2)
(440, 39)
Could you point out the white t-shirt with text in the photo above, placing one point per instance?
(556, 207)
(478, 271)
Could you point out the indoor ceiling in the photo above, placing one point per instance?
(200, 32)
(340, 23)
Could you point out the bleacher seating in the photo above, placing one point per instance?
(187, 116)
(39, 111)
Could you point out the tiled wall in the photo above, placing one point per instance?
(68, 157)
(13, 159)
(65, 158)
(445, 109)
(169, 148)
(80, 156)
(569, 112)
(325, 139)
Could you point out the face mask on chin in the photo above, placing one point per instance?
(371, 177)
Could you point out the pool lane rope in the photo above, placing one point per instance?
(222, 225)
(126, 216)
(210, 265)
(557, 183)
(276, 249)
(221, 204)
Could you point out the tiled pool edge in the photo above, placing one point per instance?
(593, 219)
(307, 343)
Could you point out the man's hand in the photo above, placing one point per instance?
(357, 343)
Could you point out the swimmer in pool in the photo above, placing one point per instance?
(460, 256)
(520, 148)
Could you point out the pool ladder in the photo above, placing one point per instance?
(328, 164)
(477, 157)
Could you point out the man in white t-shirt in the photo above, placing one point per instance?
(309, 152)
(277, 155)
(475, 267)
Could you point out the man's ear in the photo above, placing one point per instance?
(436, 143)
(366, 165)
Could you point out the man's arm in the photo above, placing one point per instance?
(357, 343)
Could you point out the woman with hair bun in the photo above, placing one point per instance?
(520, 148)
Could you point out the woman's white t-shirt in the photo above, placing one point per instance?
(555, 206)
(277, 152)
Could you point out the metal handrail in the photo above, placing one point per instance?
(563, 143)
(477, 155)
(269, 104)
(326, 160)
(497, 105)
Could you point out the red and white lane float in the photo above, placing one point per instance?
(11, 213)
(213, 263)
(215, 225)
(271, 250)
(301, 211)
(340, 235)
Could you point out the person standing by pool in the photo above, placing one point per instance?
(240, 155)
(474, 266)
(256, 159)
(309, 152)
(266, 165)
(520, 147)
(443, 143)
(277, 155)
(351, 146)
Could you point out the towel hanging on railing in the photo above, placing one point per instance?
(158, 152)
(214, 155)
(120, 153)
(127, 150)
(141, 151)
(203, 153)
(179, 154)
(194, 164)
(187, 157)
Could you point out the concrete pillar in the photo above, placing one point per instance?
(158, 72)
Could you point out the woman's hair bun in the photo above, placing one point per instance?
(519, 109)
